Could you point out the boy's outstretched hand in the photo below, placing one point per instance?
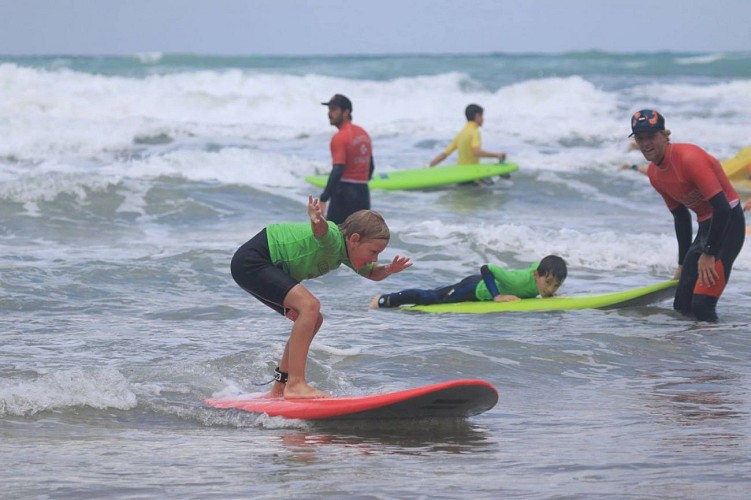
(399, 264)
(317, 220)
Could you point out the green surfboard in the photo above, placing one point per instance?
(629, 298)
(427, 178)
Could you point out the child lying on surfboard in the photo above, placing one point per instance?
(271, 265)
(493, 283)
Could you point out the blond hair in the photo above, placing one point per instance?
(368, 224)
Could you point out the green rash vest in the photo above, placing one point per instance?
(303, 256)
(520, 283)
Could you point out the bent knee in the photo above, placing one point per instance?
(311, 306)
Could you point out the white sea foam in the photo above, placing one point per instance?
(77, 387)
(78, 116)
(704, 59)
(229, 166)
(149, 57)
(597, 251)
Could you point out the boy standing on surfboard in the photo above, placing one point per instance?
(468, 141)
(271, 265)
(688, 178)
(493, 283)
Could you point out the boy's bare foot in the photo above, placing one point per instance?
(374, 302)
(302, 390)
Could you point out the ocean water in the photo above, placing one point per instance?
(126, 184)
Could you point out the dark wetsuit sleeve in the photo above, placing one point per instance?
(720, 218)
(682, 222)
(489, 280)
(334, 177)
(372, 168)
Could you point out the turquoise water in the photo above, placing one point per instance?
(490, 69)
(126, 184)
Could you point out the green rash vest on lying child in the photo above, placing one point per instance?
(303, 256)
(520, 283)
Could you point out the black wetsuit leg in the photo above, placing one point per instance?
(690, 297)
(464, 291)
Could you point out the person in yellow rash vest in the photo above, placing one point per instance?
(468, 142)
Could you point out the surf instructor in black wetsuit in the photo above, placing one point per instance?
(352, 159)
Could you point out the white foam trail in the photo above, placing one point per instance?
(94, 388)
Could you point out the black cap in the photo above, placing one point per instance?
(340, 101)
(647, 120)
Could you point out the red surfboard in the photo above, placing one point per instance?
(453, 399)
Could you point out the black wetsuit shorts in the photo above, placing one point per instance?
(347, 198)
(253, 270)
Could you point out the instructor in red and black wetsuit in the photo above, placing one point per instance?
(352, 159)
(688, 178)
